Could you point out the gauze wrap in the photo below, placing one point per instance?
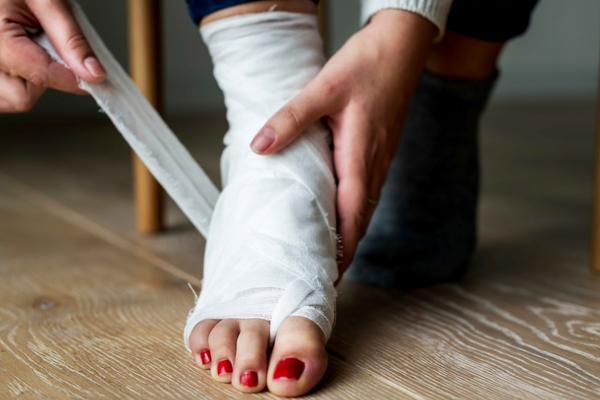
(272, 245)
(271, 249)
(145, 131)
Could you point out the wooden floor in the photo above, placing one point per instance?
(90, 309)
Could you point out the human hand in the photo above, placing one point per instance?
(363, 93)
(26, 70)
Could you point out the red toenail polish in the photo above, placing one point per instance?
(224, 367)
(249, 378)
(289, 368)
(205, 356)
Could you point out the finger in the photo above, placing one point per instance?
(59, 24)
(20, 94)
(352, 217)
(29, 61)
(316, 100)
(355, 159)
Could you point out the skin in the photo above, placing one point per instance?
(365, 110)
(26, 70)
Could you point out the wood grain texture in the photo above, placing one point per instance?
(79, 289)
(86, 166)
(81, 318)
(494, 337)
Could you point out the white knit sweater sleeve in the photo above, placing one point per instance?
(435, 11)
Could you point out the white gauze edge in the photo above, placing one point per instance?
(145, 131)
(271, 250)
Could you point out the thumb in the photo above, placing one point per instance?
(292, 119)
(57, 20)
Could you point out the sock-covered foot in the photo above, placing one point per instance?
(424, 228)
(270, 259)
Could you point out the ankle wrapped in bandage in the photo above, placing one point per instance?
(271, 249)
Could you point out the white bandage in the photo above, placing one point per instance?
(435, 11)
(271, 249)
(145, 131)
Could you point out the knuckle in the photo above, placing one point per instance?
(290, 116)
(329, 89)
(76, 42)
(360, 220)
(38, 78)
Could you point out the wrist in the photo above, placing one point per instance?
(435, 11)
(404, 25)
(404, 37)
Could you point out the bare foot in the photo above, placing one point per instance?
(235, 350)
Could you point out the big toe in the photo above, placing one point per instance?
(299, 359)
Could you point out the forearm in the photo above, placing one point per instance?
(403, 40)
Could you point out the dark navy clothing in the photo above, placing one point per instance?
(492, 20)
(201, 8)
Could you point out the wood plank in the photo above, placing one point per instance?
(81, 318)
(523, 325)
(90, 173)
(495, 335)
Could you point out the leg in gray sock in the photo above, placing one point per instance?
(424, 228)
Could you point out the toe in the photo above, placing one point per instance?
(250, 372)
(199, 342)
(299, 360)
(222, 342)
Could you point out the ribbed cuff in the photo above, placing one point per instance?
(435, 11)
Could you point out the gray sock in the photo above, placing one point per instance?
(424, 228)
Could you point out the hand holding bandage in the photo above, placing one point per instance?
(26, 70)
(363, 93)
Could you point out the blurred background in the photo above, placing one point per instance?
(556, 60)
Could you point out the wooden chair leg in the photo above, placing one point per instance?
(596, 222)
(145, 66)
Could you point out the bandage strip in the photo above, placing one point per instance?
(146, 132)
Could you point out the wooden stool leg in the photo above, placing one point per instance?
(145, 66)
(596, 223)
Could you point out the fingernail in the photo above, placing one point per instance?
(93, 66)
(263, 140)
(224, 367)
(289, 368)
(249, 378)
(205, 356)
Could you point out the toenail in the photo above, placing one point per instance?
(289, 368)
(224, 367)
(249, 378)
(205, 356)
